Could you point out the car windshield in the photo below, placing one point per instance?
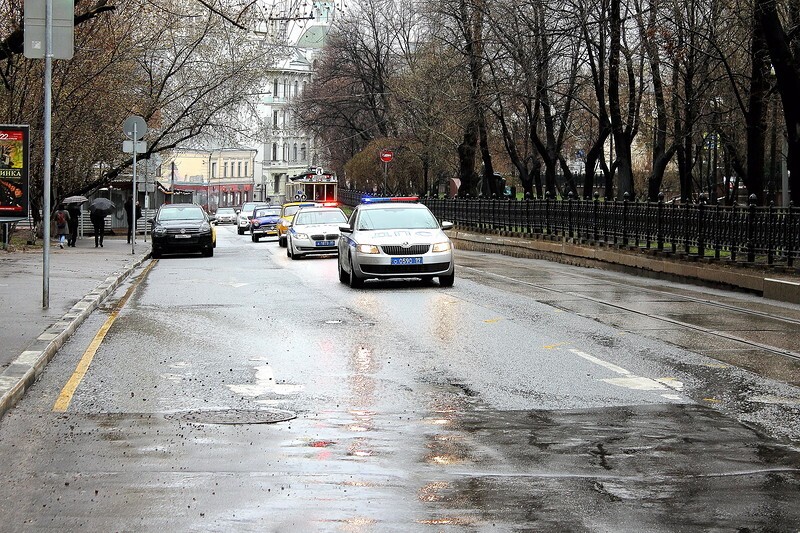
(226, 211)
(333, 216)
(272, 212)
(181, 213)
(290, 210)
(397, 218)
(248, 208)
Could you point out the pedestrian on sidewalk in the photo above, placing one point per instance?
(98, 219)
(62, 229)
(129, 216)
(74, 211)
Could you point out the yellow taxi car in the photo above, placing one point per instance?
(288, 211)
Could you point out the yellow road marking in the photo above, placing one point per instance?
(65, 398)
(553, 346)
(493, 320)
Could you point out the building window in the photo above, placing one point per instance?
(296, 87)
(214, 169)
(245, 170)
(303, 155)
(285, 87)
(275, 88)
(276, 188)
(239, 169)
(285, 151)
(225, 169)
(274, 119)
(294, 152)
(274, 151)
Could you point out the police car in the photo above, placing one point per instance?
(288, 211)
(314, 231)
(394, 238)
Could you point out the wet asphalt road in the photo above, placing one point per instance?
(530, 396)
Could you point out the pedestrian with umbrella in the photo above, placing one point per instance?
(99, 208)
(74, 209)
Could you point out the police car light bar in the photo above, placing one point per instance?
(379, 200)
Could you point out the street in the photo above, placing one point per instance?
(249, 392)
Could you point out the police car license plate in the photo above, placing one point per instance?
(406, 260)
(325, 243)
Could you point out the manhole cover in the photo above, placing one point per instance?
(237, 416)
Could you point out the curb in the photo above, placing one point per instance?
(21, 374)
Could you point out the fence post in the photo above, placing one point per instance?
(751, 223)
(770, 232)
(547, 212)
(659, 223)
(734, 227)
(686, 240)
(701, 243)
(569, 216)
(790, 234)
(595, 207)
(528, 226)
(625, 198)
(718, 233)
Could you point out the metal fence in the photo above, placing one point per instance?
(751, 234)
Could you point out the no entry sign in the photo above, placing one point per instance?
(387, 155)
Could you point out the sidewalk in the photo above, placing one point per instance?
(80, 279)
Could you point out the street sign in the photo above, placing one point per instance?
(320, 171)
(14, 180)
(127, 147)
(387, 155)
(134, 122)
(63, 28)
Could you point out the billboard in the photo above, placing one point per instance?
(14, 152)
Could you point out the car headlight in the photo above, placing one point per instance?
(160, 231)
(368, 249)
(441, 247)
(303, 236)
(256, 224)
(205, 227)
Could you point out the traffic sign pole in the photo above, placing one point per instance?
(48, 97)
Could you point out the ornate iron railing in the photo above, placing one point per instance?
(747, 234)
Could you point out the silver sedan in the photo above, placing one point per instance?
(386, 238)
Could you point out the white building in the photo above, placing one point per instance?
(288, 151)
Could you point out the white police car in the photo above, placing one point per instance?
(394, 238)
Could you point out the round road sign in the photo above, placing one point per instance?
(134, 122)
(387, 155)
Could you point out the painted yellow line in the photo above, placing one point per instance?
(65, 398)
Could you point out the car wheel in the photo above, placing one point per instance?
(281, 241)
(240, 231)
(355, 281)
(254, 238)
(343, 277)
(155, 254)
(448, 280)
(288, 250)
(208, 252)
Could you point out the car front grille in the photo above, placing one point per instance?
(325, 237)
(178, 231)
(399, 270)
(415, 249)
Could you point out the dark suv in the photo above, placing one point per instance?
(181, 228)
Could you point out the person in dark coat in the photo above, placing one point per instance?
(74, 211)
(129, 216)
(62, 225)
(99, 224)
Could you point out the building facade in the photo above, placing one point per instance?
(214, 178)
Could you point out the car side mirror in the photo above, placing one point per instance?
(345, 228)
(151, 221)
(447, 225)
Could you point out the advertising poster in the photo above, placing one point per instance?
(13, 172)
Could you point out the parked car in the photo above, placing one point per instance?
(314, 230)
(225, 215)
(394, 238)
(264, 222)
(181, 228)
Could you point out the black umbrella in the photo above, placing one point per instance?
(102, 205)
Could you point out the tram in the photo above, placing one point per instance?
(316, 184)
